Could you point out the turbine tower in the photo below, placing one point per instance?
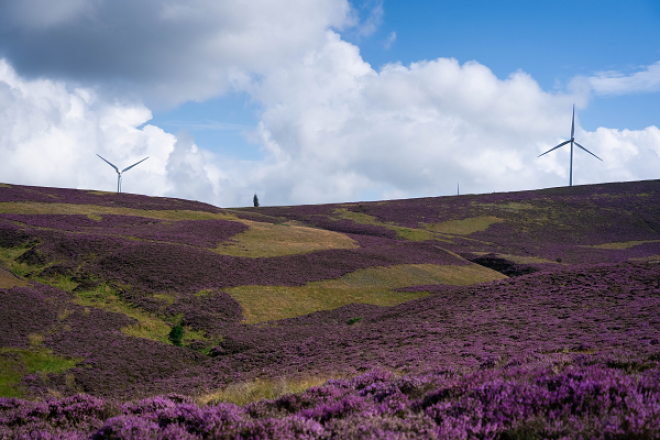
(119, 173)
(572, 141)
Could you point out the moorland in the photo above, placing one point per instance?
(512, 316)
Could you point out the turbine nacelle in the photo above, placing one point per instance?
(119, 173)
(571, 141)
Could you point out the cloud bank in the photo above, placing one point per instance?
(331, 128)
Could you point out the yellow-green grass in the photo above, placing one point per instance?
(8, 260)
(509, 206)
(94, 211)
(647, 259)
(435, 231)
(464, 227)
(9, 280)
(374, 285)
(18, 362)
(248, 392)
(148, 326)
(271, 240)
(357, 217)
(4, 185)
(166, 297)
(410, 234)
(622, 245)
(261, 240)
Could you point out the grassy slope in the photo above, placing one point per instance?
(557, 228)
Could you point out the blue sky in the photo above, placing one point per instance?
(553, 41)
(316, 101)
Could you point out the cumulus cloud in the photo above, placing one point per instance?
(404, 131)
(50, 136)
(164, 52)
(616, 83)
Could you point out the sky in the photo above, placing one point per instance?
(319, 101)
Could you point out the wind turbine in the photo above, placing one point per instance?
(119, 173)
(572, 141)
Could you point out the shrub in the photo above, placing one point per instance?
(255, 200)
(176, 335)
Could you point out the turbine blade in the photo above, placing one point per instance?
(138, 163)
(573, 123)
(116, 169)
(588, 151)
(553, 149)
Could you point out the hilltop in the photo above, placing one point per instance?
(91, 284)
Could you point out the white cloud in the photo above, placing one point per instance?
(373, 20)
(616, 83)
(163, 52)
(344, 130)
(390, 40)
(50, 135)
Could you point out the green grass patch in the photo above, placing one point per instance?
(248, 392)
(167, 298)
(15, 363)
(509, 206)
(270, 240)
(416, 234)
(374, 285)
(8, 260)
(357, 217)
(622, 245)
(61, 282)
(410, 234)
(148, 326)
(464, 227)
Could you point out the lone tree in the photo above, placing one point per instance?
(255, 200)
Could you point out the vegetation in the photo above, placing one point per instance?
(15, 363)
(176, 335)
(518, 315)
(374, 285)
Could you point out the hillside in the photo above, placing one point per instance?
(92, 283)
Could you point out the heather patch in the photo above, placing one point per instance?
(159, 267)
(148, 326)
(274, 240)
(369, 286)
(94, 212)
(19, 193)
(559, 401)
(203, 233)
(411, 234)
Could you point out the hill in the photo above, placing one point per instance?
(92, 283)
